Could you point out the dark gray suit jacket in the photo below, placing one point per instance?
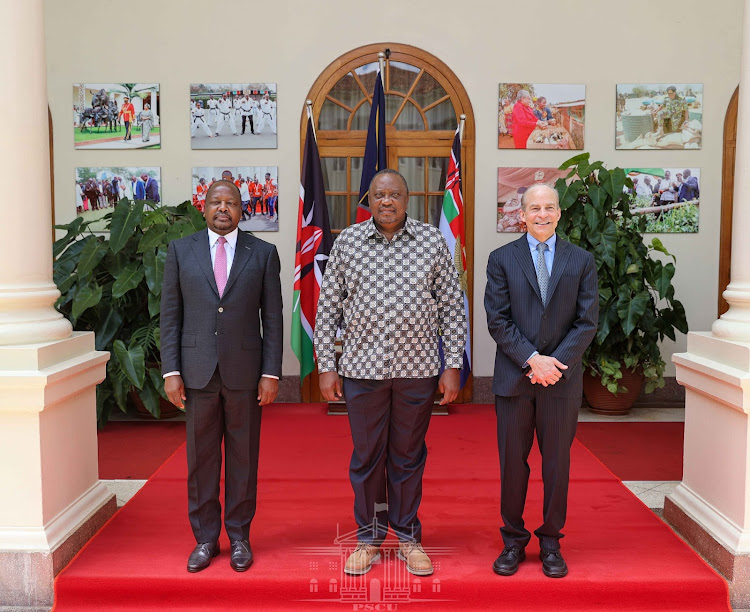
(520, 324)
(199, 330)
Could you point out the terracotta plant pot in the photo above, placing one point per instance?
(602, 401)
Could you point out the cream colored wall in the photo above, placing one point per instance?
(596, 42)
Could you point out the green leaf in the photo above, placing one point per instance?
(630, 308)
(154, 304)
(86, 297)
(153, 264)
(108, 329)
(91, 255)
(607, 322)
(126, 217)
(158, 381)
(197, 220)
(593, 216)
(73, 229)
(618, 183)
(128, 279)
(568, 193)
(609, 242)
(596, 196)
(72, 253)
(573, 161)
(633, 268)
(657, 245)
(153, 237)
(663, 280)
(61, 271)
(150, 398)
(132, 362)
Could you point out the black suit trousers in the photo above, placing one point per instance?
(389, 421)
(555, 420)
(215, 413)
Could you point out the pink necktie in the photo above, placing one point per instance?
(220, 265)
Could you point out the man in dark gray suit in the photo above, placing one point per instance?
(220, 287)
(542, 306)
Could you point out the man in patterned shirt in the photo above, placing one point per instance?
(391, 284)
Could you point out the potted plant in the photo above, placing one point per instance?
(111, 285)
(637, 306)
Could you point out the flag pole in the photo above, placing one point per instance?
(461, 129)
(381, 63)
(308, 106)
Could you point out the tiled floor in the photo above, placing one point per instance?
(651, 493)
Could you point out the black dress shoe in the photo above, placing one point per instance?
(553, 564)
(242, 555)
(507, 563)
(201, 556)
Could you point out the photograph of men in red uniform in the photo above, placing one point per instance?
(127, 112)
(271, 195)
(256, 195)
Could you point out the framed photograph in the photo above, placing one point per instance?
(541, 116)
(511, 185)
(259, 192)
(668, 198)
(99, 189)
(659, 116)
(233, 116)
(116, 116)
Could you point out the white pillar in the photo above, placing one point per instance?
(49, 483)
(713, 498)
(27, 293)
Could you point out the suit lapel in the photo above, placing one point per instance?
(203, 254)
(241, 256)
(526, 263)
(562, 254)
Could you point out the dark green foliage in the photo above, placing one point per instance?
(637, 307)
(111, 285)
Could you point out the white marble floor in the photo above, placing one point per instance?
(651, 493)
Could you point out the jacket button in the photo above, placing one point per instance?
(221, 309)
(216, 333)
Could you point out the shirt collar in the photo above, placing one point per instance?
(551, 241)
(409, 227)
(231, 237)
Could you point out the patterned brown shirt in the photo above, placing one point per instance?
(392, 300)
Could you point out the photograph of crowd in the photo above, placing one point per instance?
(659, 116)
(259, 193)
(233, 116)
(511, 185)
(99, 189)
(668, 198)
(116, 116)
(541, 116)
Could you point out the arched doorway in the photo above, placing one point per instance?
(727, 199)
(424, 100)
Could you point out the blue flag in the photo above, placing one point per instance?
(375, 154)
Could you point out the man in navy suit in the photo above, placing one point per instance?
(542, 306)
(221, 345)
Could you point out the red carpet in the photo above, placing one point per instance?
(621, 556)
(636, 451)
(136, 449)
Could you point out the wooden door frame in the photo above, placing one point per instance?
(727, 199)
(462, 105)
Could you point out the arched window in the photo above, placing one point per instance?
(424, 100)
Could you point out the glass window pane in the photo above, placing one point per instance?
(442, 116)
(354, 200)
(413, 170)
(410, 119)
(361, 117)
(436, 173)
(392, 104)
(415, 207)
(356, 173)
(367, 75)
(347, 91)
(337, 211)
(435, 204)
(334, 173)
(332, 117)
(427, 91)
(401, 76)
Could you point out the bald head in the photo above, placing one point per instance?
(542, 189)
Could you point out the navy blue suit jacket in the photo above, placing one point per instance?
(520, 324)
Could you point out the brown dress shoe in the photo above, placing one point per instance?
(361, 560)
(201, 556)
(417, 561)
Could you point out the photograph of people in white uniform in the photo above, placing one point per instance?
(233, 116)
